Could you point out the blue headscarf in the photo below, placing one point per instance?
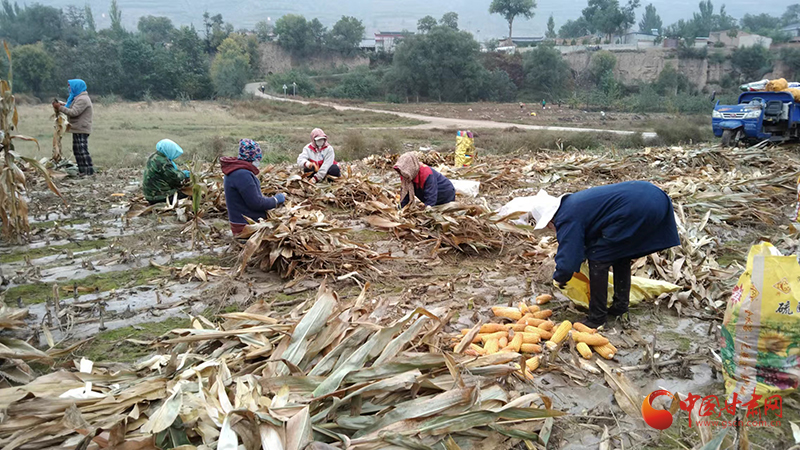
(169, 149)
(76, 87)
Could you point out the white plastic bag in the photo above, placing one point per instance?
(519, 204)
(468, 188)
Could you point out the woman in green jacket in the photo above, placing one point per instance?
(162, 178)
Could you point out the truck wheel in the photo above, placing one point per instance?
(731, 138)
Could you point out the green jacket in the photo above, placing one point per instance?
(161, 178)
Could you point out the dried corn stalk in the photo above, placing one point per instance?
(59, 127)
(267, 381)
(302, 240)
(13, 205)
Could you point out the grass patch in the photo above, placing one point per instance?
(111, 346)
(367, 236)
(681, 131)
(42, 252)
(40, 292)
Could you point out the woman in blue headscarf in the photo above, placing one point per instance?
(162, 178)
(79, 110)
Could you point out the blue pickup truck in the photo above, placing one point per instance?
(759, 116)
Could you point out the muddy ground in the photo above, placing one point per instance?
(90, 275)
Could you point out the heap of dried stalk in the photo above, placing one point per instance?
(302, 240)
(454, 225)
(329, 375)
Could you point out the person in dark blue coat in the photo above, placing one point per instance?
(610, 226)
(422, 182)
(243, 195)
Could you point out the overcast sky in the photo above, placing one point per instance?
(394, 15)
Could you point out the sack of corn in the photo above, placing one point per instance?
(465, 149)
(577, 288)
(761, 329)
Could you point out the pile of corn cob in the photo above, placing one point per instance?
(526, 327)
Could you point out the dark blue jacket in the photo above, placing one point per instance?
(608, 223)
(437, 190)
(243, 195)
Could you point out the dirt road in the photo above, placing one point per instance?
(443, 122)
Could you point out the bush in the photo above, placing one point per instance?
(354, 147)
(305, 87)
(360, 84)
(110, 99)
(498, 87)
(678, 132)
(692, 52)
(716, 58)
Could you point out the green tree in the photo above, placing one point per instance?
(264, 31)
(602, 65)
(216, 31)
(790, 56)
(231, 69)
(751, 62)
(116, 19)
(33, 68)
(90, 25)
(426, 24)
(551, 28)
(250, 44)
(360, 83)
(608, 17)
(667, 82)
(189, 52)
(510, 9)
(156, 30)
(574, 28)
(547, 75)
(138, 64)
(294, 34)
(792, 15)
(30, 24)
(346, 35)
(442, 64)
(650, 20)
(319, 33)
(450, 19)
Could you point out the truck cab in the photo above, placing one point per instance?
(758, 116)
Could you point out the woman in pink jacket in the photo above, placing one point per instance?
(318, 158)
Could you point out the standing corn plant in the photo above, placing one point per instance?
(59, 128)
(199, 182)
(13, 206)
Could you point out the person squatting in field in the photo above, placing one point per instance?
(422, 182)
(610, 226)
(243, 195)
(79, 110)
(318, 158)
(162, 178)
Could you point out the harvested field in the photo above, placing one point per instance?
(339, 321)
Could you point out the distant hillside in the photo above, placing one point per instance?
(391, 14)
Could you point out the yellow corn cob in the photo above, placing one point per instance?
(516, 342)
(546, 325)
(532, 363)
(471, 352)
(530, 348)
(591, 339)
(532, 321)
(545, 334)
(517, 327)
(534, 309)
(523, 308)
(544, 298)
(478, 349)
(530, 338)
(491, 346)
(487, 336)
(543, 314)
(584, 350)
(551, 345)
(503, 342)
(605, 351)
(561, 332)
(493, 328)
(583, 328)
(507, 312)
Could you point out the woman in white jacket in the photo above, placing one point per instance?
(318, 158)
